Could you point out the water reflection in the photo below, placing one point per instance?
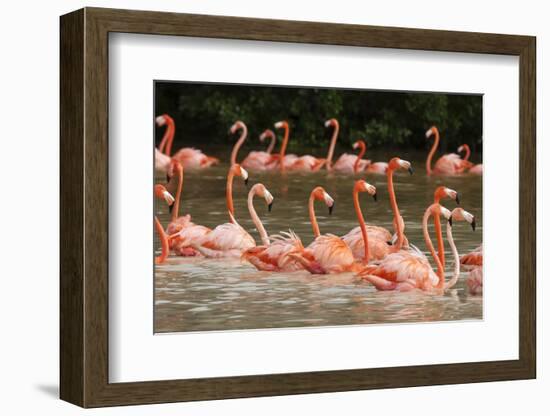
(195, 294)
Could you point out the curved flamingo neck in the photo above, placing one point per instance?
(271, 143)
(284, 144)
(396, 213)
(432, 152)
(238, 145)
(439, 233)
(467, 150)
(165, 249)
(333, 140)
(256, 219)
(229, 194)
(362, 150)
(456, 272)
(312, 217)
(168, 137)
(176, 208)
(361, 224)
(440, 271)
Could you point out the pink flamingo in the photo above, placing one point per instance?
(352, 164)
(449, 164)
(379, 168)
(328, 253)
(475, 169)
(408, 270)
(189, 157)
(377, 237)
(398, 223)
(474, 281)
(259, 160)
(229, 239)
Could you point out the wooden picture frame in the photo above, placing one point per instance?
(84, 207)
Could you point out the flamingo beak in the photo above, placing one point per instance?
(270, 207)
(473, 224)
(246, 182)
(389, 243)
(457, 199)
(374, 197)
(410, 170)
(451, 221)
(330, 208)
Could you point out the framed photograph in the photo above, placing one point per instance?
(255, 207)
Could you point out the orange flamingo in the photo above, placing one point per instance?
(440, 193)
(282, 161)
(259, 160)
(398, 223)
(161, 193)
(328, 253)
(306, 163)
(449, 164)
(408, 270)
(229, 239)
(475, 169)
(352, 164)
(189, 157)
(473, 259)
(377, 237)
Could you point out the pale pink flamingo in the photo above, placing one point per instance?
(474, 281)
(440, 193)
(378, 238)
(273, 254)
(189, 157)
(229, 239)
(475, 169)
(379, 168)
(449, 164)
(408, 270)
(162, 160)
(260, 160)
(351, 164)
(327, 254)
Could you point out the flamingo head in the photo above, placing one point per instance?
(238, 170)
(431, 131)
(397, 163)
(266, 133)
(164, 119)
(463, 148)
(331, 123)
(363, 186)
(161, 192)
(359, 144)
(436, 209)
(281, 124)
(320, 194)
(459, 214)
(237, 126)
(261, 191)
(444, 192)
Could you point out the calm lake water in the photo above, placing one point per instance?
(197, 294)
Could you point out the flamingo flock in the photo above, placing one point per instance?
(375, 255)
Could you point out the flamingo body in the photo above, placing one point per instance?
(276, 256)
(474, 281)
(346, 164)
(378, 238)
(226, 240)
(162, 161)
(472, 259)
(191, 158)
(476, 169)
(379, 168)
(307, 163)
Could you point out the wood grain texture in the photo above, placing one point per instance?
(84, 192)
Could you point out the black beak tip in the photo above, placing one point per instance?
(389, 243)
(270, 207)
(246, 181)
(457, 199)
(410, 170)
(330, 209)
(171, 208)
(374, 197)
(473, 224)
(451, 221)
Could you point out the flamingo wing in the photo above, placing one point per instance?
(226, 240)
(378, 242)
